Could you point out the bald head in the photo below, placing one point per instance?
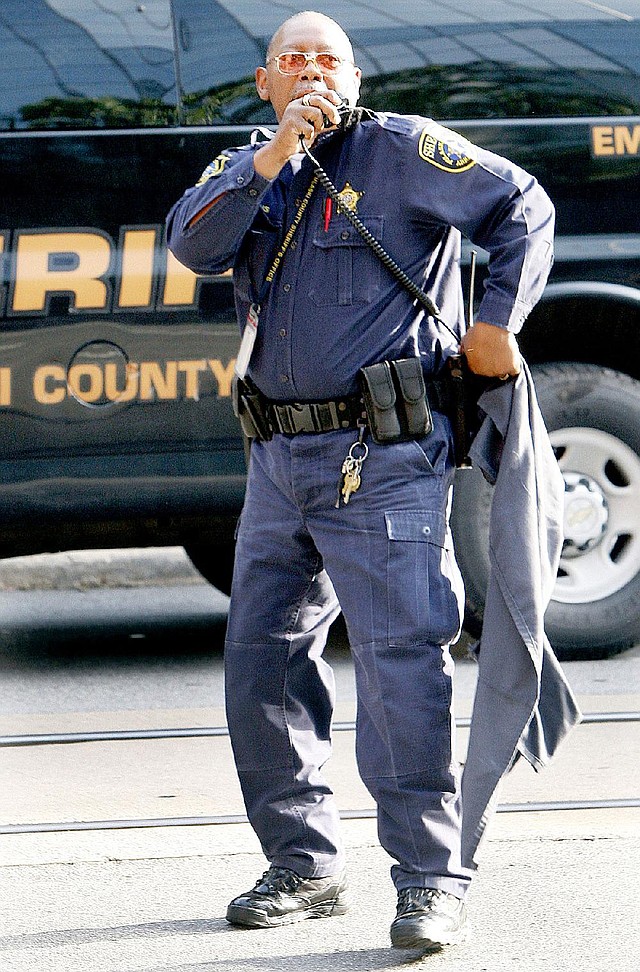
(305, 21)
(314, 33)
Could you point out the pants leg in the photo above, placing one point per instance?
(389, 555)
(279, 690)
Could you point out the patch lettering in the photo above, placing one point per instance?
(214, 169)
(449, 152)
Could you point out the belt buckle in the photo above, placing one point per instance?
(291, 419)
(302, 418)
(294, 418)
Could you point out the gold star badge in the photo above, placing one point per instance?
(350, 197)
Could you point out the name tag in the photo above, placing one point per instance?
(248, 341)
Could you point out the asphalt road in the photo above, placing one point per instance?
(89, 646)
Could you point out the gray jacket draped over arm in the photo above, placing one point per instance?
(523, 704)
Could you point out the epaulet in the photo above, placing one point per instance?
(410, 125)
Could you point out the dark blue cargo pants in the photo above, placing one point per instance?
(386, 559)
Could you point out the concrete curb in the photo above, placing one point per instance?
(89, 569)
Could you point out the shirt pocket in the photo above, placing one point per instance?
(424, 602)
(345, 270)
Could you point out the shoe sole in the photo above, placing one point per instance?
(254, 918)
(407, 938)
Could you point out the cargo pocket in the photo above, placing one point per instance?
(341, 255)
(423, 587)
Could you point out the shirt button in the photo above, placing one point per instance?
(253, 192)
(284, 378)
(345, 235)
(287, 288)
(282, 332)
(298, 202)
(293, 245)
(240, 180)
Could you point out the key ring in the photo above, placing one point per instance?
(365, 451)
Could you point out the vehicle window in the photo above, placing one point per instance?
(86, 64)
(555, 69)
(446, 60)
(219, 46)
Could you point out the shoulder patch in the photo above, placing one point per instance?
(445, 149)
(214, 169)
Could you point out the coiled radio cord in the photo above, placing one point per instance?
(416, 292)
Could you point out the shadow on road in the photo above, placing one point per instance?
(42, 630)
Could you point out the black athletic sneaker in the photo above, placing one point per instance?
(281, 896)
(428, 919)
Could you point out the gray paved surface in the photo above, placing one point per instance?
(87, 569)
(555, 894)
(556, 891)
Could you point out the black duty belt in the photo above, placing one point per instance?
(291, 418)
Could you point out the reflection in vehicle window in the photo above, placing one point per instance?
(111, 64)
(438, 59)
(86, 64)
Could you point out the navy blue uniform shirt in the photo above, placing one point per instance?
(333, 307)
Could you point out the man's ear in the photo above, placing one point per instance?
(262, 86)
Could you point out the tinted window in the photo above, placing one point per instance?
(86, 64)
(449, 60)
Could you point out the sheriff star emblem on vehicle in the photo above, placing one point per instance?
(350, 197)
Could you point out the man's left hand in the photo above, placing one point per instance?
(491, 351)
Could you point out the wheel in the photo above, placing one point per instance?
(593, 417)
(214, 562)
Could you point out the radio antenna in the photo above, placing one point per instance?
(472, 286)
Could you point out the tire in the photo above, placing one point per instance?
(593, 418)
(214, 562)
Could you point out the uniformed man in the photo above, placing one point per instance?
(320, 306)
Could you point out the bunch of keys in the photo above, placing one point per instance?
(351, 468)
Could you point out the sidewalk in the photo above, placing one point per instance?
(557, 892)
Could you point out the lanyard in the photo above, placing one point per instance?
(253, 316)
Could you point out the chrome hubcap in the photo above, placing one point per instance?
(601, 552)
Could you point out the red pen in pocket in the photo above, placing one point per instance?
(328, 208)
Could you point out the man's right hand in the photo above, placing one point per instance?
(303, 120)
(491, 351)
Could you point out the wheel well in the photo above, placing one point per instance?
(595, 329)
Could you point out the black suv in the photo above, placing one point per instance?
(116, 362)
